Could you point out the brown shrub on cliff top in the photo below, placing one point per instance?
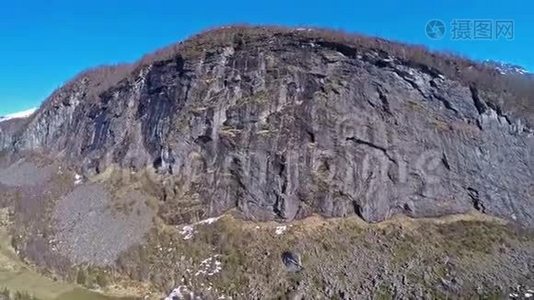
(513, 92)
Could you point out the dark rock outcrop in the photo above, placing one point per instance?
(282, 125)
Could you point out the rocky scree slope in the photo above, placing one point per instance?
(283, 123)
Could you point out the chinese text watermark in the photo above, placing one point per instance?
(471, 29)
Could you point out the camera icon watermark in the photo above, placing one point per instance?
(471, 29)
(435, 29)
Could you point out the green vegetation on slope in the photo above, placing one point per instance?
(457, 256)
(19, 282)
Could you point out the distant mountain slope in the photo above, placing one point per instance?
(19, 115)
(506, 68)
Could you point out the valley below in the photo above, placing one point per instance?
(17, 277)
(228, 257)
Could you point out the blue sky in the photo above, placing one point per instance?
(44, 44)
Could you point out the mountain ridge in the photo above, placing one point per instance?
(507, 68)
(150, 117)
(197, 169)
(455, 66)
(19, 115)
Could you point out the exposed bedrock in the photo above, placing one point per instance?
(282, 128)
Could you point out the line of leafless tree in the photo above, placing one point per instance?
(514, 92)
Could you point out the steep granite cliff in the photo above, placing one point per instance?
(283, 123)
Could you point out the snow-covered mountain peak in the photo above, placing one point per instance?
(18, 115)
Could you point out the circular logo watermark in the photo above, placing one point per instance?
(435, 29)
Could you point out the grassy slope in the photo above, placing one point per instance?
(16, 276)
(455, 256)
(452, 256)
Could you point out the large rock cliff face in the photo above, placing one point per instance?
(283, 125)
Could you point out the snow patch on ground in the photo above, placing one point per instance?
(184, 292)
(78, 179)
(209, 267)
(188, 231)
(208, 221)
(180, 293)
(280, 230)
(520, 290)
